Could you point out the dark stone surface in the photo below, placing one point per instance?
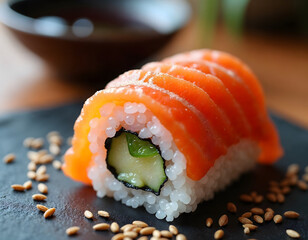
(19, 219)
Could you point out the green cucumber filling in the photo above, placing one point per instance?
(135, 162)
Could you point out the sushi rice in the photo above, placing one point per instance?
(179, 194)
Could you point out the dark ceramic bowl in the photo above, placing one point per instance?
(94, 39)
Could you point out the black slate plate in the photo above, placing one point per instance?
(19, 219)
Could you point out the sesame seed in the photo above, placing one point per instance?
(32, 166)
(147, 230)
(49, 212)
(219, 234)
(251, 227)
(247, 215)
(173, 230)
(31, 175)
(258, 219)
(280, 198)
(293, 234)
(130, 234)
(302, 185)
(244, 220)
(271, 197)
(55, 139)
(209, 222)
(103, 214)
(28, 142)
(286, 190)
(42, 177)
(72, 230)
(9, 158)
(156, 233)
(28, 185)
(47, 158)
(277, 218)
(118, 236)
(231, 207)
(42, 188)
(181, 237)
(246, 198)
(166, 233)
(88, 214)
(223, 220)
(292, 169)
(140, 223)
(305, 177)
(143, 238)
(246, 230)
(268, 216)
(101, 227)
(291, 214)
(18, 187)
(41, 207)
(258, 211)
(54, 149)
(114, 227)
(57, 164)
(37, 143)
(38, 197)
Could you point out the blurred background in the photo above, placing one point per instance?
(56, 52)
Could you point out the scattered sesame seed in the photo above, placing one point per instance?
(271, 197)
(130, 234)
(181, 237)
(18, 187)
(42, 188)
(305, 177)
(246, 230)
(258, 219)
(28, 185)
(114, 227)
(47, 158)
(57, 164)
(302, 185)
(9, 158)
(258, 211)
(140, 223)
(147, 230)
(231, 207)
(268, 216)
(156, 233)
(219, 234)
(173, 230)
(277, 218)
(41, 207)
(88, 214)
(31, 175)
(246, 198)
(28, 142)
(72, 230)
(54, 149)
(293, 234)
(42, 177)
(49, 212)
(101, 227)
(37, 143)
(118, 236)
(32, 166)
(292, 169)
(280, 198)
(291, 214)
(143, 238)
(247, 214)
(245, 220)
(103, 214)
(166, 234)
(223, 220)
(251, 227)
(209, 222)
(38, 197)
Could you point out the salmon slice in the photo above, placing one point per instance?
(214, 87)
(210, 112)
(230, 63)
(185, 127)
(264, 130)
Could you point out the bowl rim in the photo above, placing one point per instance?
(22, 23)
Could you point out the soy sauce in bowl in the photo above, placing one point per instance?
(94, 39)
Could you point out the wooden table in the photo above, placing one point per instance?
(281, 63)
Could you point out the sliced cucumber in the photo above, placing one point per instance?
(135, 162)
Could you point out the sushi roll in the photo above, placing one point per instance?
(173, 133)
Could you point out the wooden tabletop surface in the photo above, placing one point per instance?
(281, 63)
